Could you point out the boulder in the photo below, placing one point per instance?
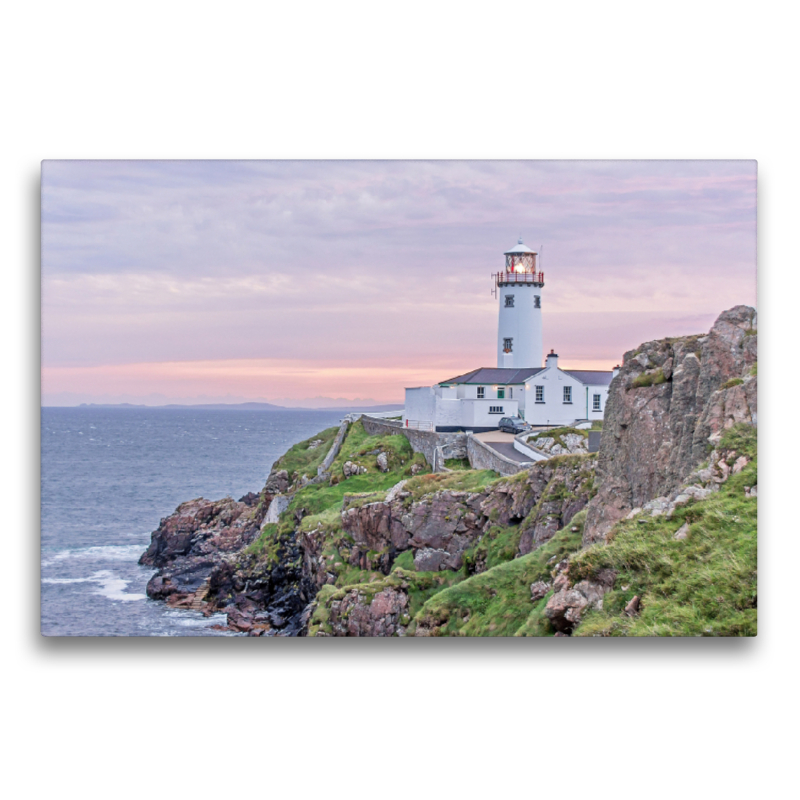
(278, 481)
(429, 560)
(567, 606)
(382, 462)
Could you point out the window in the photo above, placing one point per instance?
(567, 394)
(509, 301)
(481, 392)
(495, 409)
(507, 345)
(537, 301)
(595, 402)
(501, 394)
(540, 394)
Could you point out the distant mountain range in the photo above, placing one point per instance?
(246, 407)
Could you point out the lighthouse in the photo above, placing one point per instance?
(519, 293)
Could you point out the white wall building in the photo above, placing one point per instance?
(546, 395)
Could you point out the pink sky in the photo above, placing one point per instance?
(279, 281)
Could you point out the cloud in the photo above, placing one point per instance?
(384, 263)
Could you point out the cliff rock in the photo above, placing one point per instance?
(670, 401)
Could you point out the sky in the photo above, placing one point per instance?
(328, 282)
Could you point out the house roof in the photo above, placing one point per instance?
(495, 375)
(591, 377)
(506, 377)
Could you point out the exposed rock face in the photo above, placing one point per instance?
(664, 407)
(447, 521)
(358, 614)
(262, 595)
(277, 482)
(566, 492)
(442, 526)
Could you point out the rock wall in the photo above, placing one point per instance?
(335, 448)
(482, 457)
(667, 406)
(453, 445)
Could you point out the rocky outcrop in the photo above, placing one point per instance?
(358, 613)
(449, 522)
(189, 543)
(569, 487)
(569, 603)
(568, 443)
(262, 594)
(440, 527)
(670, 401)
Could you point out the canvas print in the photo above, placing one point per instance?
(399, 398)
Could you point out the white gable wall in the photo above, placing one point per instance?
(553, 410)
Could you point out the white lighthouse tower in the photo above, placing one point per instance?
(519, 291)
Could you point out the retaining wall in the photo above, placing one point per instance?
(483, 457)
(450, 445)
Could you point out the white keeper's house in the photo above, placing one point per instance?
(519, 386)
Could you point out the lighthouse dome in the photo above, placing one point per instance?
(520, 248)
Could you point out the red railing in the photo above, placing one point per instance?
(520, 277)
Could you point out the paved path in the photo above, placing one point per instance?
(495, 436)
(507, 449)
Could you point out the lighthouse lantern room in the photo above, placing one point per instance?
(519, 292)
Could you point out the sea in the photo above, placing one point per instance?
(109, 475)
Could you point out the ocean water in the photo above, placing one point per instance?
(110, 475)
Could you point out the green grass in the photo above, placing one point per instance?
(299, 459)
(457, 463)
(597, 425)
(474, 480)
(496, 602)
(498, 545)
(754, 369)
(649, 379)
(358, 444)
(732, 382)
(704, 585)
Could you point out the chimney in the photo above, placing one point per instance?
(615, 372)
(552, 360)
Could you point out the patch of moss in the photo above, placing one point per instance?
(649, 379)
(266, 545)
(754, 369)
(732, 382)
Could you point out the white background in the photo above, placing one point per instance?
(399, 718)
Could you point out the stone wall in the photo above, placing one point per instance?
(451, 445)
(483, 457)
(335, 447)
